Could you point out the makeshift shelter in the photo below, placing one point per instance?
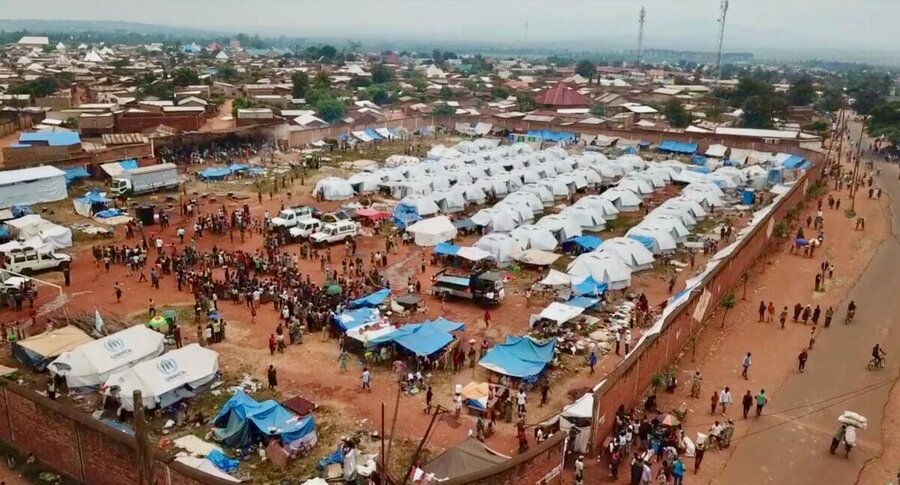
(658, 241)
(502, 247)
(75, 173)
(429, 232)
(214, 173)
(333, 188)
(39, 350)
(34, 185)
(560, 312)
(356, 318)
(470, 456)
(631, 251)
(556, 278)
(91, 364)
(576, 415)
(424, 205)
(603, 267)
(243, 421)
(531, 236)
(583, 243)
(92, 203)
(536, 257)
(166, 380)
(422, 339)
(371, 300)
(589, 286)
(519, 357)
(475, 395)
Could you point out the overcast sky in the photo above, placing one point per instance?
(753, 25)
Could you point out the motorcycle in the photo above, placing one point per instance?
(877, 362)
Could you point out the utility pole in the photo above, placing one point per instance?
(854, 187)
(437, 412)
(724, 8)
(145, 474)
(640, 50)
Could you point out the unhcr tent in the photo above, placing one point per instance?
(333, 188)
(470, 456)
(532, 236)
(502, 247)
(658, 241)
(89, 365)
(39, 350)
(168, 379)
(243, 421)
(631, 251)
(604, 267)
(519, 357)
(429, 232)
(32, 186)
(623, 199)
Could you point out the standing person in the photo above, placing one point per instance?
(118, 289)
(725, 399)
(151, 308)
(677, 471)
(761, 400)
(817, 312)
(762, 311)
(176, 333)
(745, 364)
(783, 317)
(520, 400)
(545, 390)
(592, 361)
(66, 274)
(698, 455)
(272, 344)
(579, 470)
(837, 438)
(618, 341)
(342, 360)
(637, 470)
(829, 313)
(747, 403)
(366, 380)
(487, 319)
(770, 315)
(802, 360)
(627, 341)
(272, 374)
(429, 395)
(713, 402)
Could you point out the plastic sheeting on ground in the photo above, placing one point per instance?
(519, 357)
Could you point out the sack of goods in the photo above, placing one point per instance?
(852, 419)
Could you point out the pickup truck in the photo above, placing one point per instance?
(484, 287)
(291, 216)
(304, 229)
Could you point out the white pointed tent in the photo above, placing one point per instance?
(562, 226)
(502, 247)
(531, 236)
(334, 188)
(632, 252)
(599, 204)
(433, 231)
(585, 216)
(603, 267)
(623, 199)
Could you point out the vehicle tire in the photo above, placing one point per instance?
(882, 363)
(27, 271)
(871, 365)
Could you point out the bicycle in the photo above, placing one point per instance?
(878, 362)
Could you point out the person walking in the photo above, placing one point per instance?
(762, 311)
(118, 290)
(783, 317)
(366, 380)
(747, 403)
(837, 438)
(802, 360)
(618, 341)
(272, 344)
(545, 390)
(592, 361)
(829, 313)
(770, 312)
(343, 359)
(698, 456)
(677, 471)
(627, 341)
(745, 364)
(817, 312)
(725, 399)
(713, 402)
(429, 395)
(487, 319)
(272, 374)
(761, 400)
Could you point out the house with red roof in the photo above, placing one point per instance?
(561, 95)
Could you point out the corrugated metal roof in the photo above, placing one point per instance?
(123, 139)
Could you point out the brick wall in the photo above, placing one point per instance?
(136, 124)
(539, 465)
(76, 445)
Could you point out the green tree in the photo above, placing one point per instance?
(330, 109)
(313, 96)
(756, 113)
(381, 74)
(39, 88)
(728, 302)
(714, 112)
(228, 74)
(832, 100)
(379, 96)
(867, 100)
(300, 82)
(499, 92)
(322, 81)
(525, 102)
(444, 110)
(586, 68)
(445, 93)
(162, 90)
(185, 77)
(240, 103)
(676, 115)
(885, 121)
(360, 82)
(802, 92)
(327, 52)
(598, 109)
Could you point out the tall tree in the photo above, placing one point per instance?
(676, 115)
(586, 68)
(322, 81)
(867, 100)
(185, 77)
(381, 74)
(330, 109)
(300, 80)
(801, 93)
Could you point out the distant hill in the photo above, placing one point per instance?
(78, 26)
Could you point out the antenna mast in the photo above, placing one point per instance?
(640, 50)
(724, 8)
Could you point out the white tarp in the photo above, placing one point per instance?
(433, 231)
(560, 312)
(91, 364)
(206, 466)
(537, 257)
(716, 151)
(56, 236)
(556, 278)
(334, 188)
(472, 253)
(167, 379)
(604, 267)
(27, 227)
(32, 186)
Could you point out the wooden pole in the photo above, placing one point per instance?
(145, 474)
(393, 423)
(438, 411)
(383, 457)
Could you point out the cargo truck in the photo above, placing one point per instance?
(485, 287)
(144, 180)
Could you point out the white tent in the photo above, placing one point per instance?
(167, 379)
(558, 187)
(556, 278)
(496, 219)
(671, 222)
(706, 199)
(449, 200)
(472, 253)
(603, 267)
(56, 236)
(685, 203)
(561, 226)
(29, 186)
(592, 177)
(599, 204)
(530, 199)
(661, 240)
(634, 161)
(545, 194)
(632, 252)
(522, 213)
(425, 205)
(682, 213)
(624, 199)
(430, 232)
(585, 216)
(607, 170)
(716, 151)
(334, 188)
(501, 246)
(27, 226)
(637, 185)
(91, 364)
(364, 182)
(471, 193)
(532, 236)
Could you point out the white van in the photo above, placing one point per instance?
(336, 232)
(304, 229)
(29, 260)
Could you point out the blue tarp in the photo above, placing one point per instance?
(243, 421)
(73, 174)
(425, 340)
(677, 147)
(355, 318)
(629, 151)
(589, 243)
(237, 167)
(589, 286)
(4, 232)
(519, 357)
(697, 168)
(50, 138)
(698, 160)
(775, 176)
(439, 325)
(372, 299)
(20, 211)
(336, 457)
(214, 173)
(548, 135)
(222, 462)
(446, 249)
(583, 302)
(109, 213)
(647, 242)
(405, 214)
(373, 134)
(129, 164)
(795, 162)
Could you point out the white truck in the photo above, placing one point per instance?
(304, 229)
(29, 260)
(291, 216)
(144, 180)
(335, 232)
(10, 282)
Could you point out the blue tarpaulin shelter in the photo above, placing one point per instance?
(446, 249)
(698, 160)
(795, 162)
(589, 286)
(629, 151)
(243, 421)
(75, 173)
(4, 232)
(20, 211)
(405, 214)
(645, 241)
(355, 318)
(588, 243)
(519, 357)
(215, 173)
(373, 134)
(237, 167)
(583, 302)
(129, 164)
(677, 147)
(425, 340)
(372, 299)
(548, 135)
(50, 138)
(435, 327)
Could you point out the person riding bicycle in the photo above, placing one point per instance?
(851, 309)
(878, 353)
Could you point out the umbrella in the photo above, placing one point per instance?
(157, 322)
(170, 315)
(670, 420)
(333, 290)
